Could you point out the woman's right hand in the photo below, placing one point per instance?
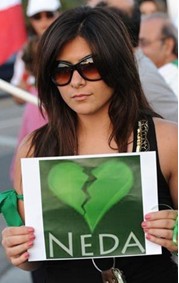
(16, 241)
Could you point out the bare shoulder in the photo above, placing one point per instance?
(166, 131)
(24, 150)
(167, 143)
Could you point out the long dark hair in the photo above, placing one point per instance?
(113, 55)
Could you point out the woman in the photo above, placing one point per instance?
(90, 89)
(41, 14)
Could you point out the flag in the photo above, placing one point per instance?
(12, 28)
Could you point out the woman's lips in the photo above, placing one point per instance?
(81, 96)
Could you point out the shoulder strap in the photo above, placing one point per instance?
(145, 140)
(145, 136)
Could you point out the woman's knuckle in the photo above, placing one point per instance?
(3, 242)
(13, 261)
(168, 234)
(8, 253)
(168, 224)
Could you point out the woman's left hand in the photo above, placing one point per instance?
(159, 228)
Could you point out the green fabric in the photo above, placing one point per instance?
(9, 209)
(175, 232)
(175, 62)
(175, 235)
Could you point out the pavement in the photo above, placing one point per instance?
(10, 119)
(16, 276)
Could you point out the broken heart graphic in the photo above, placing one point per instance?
(91, 191)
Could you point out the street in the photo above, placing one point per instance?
(10, 120)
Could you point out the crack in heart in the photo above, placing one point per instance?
(91, 191)
(91, 179)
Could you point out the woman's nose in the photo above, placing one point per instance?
(77, 80)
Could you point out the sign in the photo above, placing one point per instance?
(90, 206)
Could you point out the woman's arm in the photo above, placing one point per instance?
(17, 240)
(167, 141)
(159, 226)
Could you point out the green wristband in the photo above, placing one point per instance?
(175, 232)
(9, 207)
(175, 235)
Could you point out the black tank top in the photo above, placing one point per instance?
(165, 200)
(136, 269)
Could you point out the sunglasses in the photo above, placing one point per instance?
(39, 16)
(63, 71)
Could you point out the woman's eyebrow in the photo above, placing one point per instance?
(80, 60)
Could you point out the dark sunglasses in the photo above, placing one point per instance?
(63, 71)
(48, 15)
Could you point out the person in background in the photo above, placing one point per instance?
(152, 6)
(29, 58)
(94, 3)
(92, 109)
(32, 118)
(158, 93)
(40, 15)
(159, 42)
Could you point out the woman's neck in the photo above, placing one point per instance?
(93, 135)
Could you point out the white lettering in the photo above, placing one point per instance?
(101, 243)
(86, 245)
(83, 245)
(68, 250)
(137, 243)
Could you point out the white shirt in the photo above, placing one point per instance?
(158, 93)
(170, 73)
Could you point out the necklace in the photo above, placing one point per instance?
(111, 275)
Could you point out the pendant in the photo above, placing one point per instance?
(118, 275)
(112, 275)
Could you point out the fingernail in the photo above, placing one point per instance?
(32, 237)
(30, 229)
(26, 255)
(30, 244)
(147, 216)
(144, 225)
(148, 237)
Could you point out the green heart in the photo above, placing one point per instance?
(114, 181)
(66, 180)
(91, 191)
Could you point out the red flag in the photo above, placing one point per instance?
(12, 28)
